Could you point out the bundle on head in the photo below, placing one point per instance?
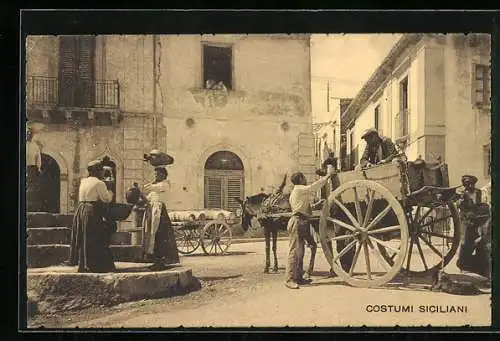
(157, 158)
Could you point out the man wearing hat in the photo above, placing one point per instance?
(379, 149)
(474, 214)
(89, 249)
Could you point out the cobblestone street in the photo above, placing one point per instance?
(236, 293)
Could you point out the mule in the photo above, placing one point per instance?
(258, 206)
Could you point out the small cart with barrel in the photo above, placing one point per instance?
(210, 229)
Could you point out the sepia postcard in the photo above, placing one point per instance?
(265, 180)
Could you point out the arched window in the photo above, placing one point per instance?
(223, 181)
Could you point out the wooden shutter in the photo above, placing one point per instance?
(67, 69)
(213, 192)
(76, 74)
(234, 190)
(306, 155)
(86, 48)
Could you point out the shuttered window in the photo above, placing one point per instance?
(221, 189)
(482, 86)
(234, 190)
(213, 192)
(67, 69)
(76, 74)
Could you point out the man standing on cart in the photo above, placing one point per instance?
(298, 225)
(379, 149)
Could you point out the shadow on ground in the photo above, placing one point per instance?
(229, 253)
(145, 268)
(218, 278)
(418, 283)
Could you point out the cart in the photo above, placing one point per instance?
(374, 225)
(210, 229)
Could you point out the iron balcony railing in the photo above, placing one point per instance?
(402, 123)
(49, 91)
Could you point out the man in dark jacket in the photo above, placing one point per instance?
(379, 149)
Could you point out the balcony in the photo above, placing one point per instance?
(52, 101)
(49, 92)
(402, 123)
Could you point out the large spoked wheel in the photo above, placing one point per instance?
(434, 234)
(187, 239)
(357, 217)
(216, 237)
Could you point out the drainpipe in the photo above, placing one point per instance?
(155, 112)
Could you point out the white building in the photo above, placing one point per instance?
(435, 89)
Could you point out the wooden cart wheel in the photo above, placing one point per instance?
(358, 216)
(216, 237)
(434, 237)
(187, 239)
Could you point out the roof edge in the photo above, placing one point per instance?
(378, 77)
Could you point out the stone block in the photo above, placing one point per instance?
(46, 255)
(121, 238)
(49, 235)
(62, 289)
(127, 253)
(44, 219)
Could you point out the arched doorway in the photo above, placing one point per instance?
(106, 161)
(49, 185)
(223, 181)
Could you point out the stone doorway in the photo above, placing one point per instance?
(49, 185)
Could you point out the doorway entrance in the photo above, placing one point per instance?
(49, 185)
(223, 181)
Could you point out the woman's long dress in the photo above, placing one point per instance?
(91, 234)
(159, 244)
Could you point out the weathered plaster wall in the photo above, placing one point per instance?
(467, 127)
(270, 87)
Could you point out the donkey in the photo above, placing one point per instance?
(258, 206)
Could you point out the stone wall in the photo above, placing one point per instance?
(74, 147)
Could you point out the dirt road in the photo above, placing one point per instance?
(236, 293)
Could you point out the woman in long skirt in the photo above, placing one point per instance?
(159, 239)
(89, 242)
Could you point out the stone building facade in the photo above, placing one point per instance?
(122, 95)
(434, 89)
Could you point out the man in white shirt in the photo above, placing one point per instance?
(300, 203)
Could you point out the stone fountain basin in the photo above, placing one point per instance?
(62, 288)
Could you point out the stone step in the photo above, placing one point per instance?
(49, 235)
(39, 256)
(62, 235)
(43, 219)
(121, 238)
